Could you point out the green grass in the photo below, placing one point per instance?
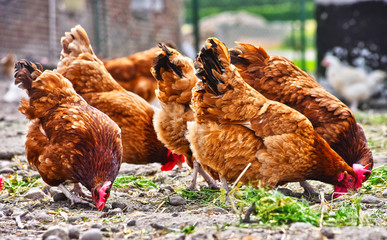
(205, 196)
(309, 64)
(371, 118)
(133, 181)
(17, 185)
(275, 209)
(377, 180)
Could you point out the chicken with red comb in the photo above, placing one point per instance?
(68, 140)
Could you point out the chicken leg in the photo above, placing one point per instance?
(74, 199)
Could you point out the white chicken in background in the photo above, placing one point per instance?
(354, 84)
(13, 94)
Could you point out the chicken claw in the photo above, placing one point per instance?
(74, 199)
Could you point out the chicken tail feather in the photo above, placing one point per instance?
(26, 72)
(162, 61)
(210, 63)
(245, 54)
(75, 42)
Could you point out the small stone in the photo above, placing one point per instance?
(92, 234)
(43, 217)
(35, 194)
(96, 226)
(7, 170)
(74, 232)
(110, 229)
(131, 223)
(120, 205)
(56, 231)
(72, 219)
(52, 237)
(327, 232)
(384, 193)
(59, 197)
(300, 226)
(111, 213)
(177, 201)
(175, 214)
(370, 199)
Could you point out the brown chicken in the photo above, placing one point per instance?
(176, 78)
(133, 72)
(68, 139)
(132, 113)
(235, 125)
(279, 79)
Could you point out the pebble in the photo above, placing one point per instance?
(120, 205)
(131, 223)
(42, 217)
(177, 201)
(56, 231)
(370, 199)
(59, 197)
(327, 232)
(72, 219)
(92, 234)
(300, 226)
(111, 213)
(7, 170)
(96, 226)
(35, 194)
(52, 237)
(74, 232)
(110, 229)
(384, 193)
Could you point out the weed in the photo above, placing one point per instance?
(137, 181)
(18, 185)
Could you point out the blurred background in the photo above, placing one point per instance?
(351, 32)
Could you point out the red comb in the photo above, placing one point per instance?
(172, 161)
(360, 170)
(102, 194)
(1, 183)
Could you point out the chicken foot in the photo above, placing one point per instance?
(74, 199)
(248, 213)
(195, 168)
(78, 190)
(308, 190)
(210, 181)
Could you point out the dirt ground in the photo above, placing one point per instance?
(132, 213)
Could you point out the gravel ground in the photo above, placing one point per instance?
(134, 213)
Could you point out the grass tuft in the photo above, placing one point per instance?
(133, 181)
(17, 185)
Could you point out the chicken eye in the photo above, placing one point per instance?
(350, 179)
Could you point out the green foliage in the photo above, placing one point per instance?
(18, 185)
(205, 196)
(370, 118)
(377, 180)
(188, 229)
(273, 208)
(130, 181)
(270, 10)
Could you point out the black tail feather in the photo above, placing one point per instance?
(209, 60)
(162, 61)
(23, 71)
